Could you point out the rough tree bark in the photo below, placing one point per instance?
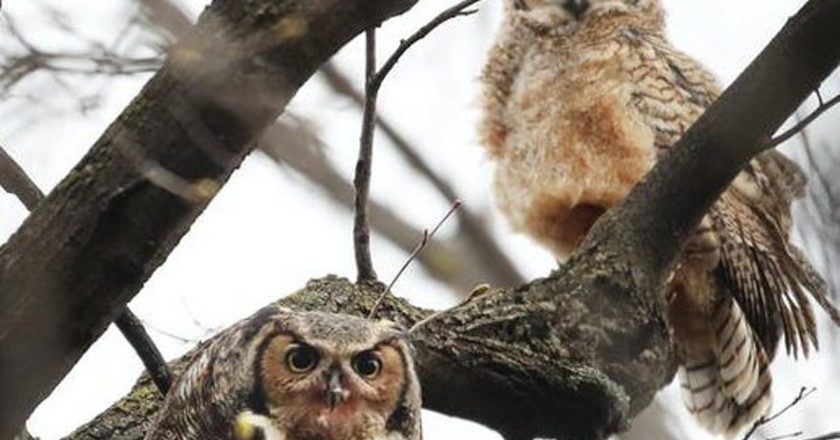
(578, 353)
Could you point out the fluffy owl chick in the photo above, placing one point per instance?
(580, 97)
(285, 375)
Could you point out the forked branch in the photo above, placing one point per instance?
(373, 82)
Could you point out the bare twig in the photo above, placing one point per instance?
(97, 59)
(822, 108)
(485, 248)
(132, 329)
(373, 82)
(457, 10)
(419, 248)
(292, 145)
(829, 436)
(15, 181)
(361, 181)
(804, 392)
(786, 436)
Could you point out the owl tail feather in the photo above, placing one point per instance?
(729, 388)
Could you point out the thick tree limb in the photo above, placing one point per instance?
(15, 180)
(580, 352)
(89, 247)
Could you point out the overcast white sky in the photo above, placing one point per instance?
(268, 232)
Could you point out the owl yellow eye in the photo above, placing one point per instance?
(301, 358)
(367, 364)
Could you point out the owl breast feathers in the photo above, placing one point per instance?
(285, 375)
(580, 98)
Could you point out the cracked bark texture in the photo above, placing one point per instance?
(574, 355)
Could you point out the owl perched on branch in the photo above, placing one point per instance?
(285, 375)
(580, 97)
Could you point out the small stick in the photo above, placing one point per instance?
(15, 181)
(132, 329)
(804, 392)
(361, 181)
(417, 249)
(822, 108)
(373, 82)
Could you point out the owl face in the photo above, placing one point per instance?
(323, 377)
(579, 10)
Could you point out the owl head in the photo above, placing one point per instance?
(324, 375)
(288, 375)
(577, 11)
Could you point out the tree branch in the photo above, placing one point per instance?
(373, 82)
(453, 263)
(132, 329)
(484, 246)
(803, 394)
(361, 181)
(15, 180)
(99, 235)
(578, 353)
(801, 125)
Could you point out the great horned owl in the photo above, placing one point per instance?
(580, 97)
(284, 375)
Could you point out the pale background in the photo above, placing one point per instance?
(269, 231)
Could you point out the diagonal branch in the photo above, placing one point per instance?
(802, 124)
(13, 179)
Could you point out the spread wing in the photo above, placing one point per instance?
(767, 275)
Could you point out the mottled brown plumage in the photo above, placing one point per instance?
(285, 375)
(580, 97)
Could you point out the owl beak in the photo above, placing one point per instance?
(576, 7)
(335, 394)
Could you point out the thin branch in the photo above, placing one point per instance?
(133, 330)
(787, 436)
(373, 82)
(804, 392)
(361, 181)
(454, 11)
(829, 436)
(485, 248)
(419, 248)
(793, 131)
(15, 181)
